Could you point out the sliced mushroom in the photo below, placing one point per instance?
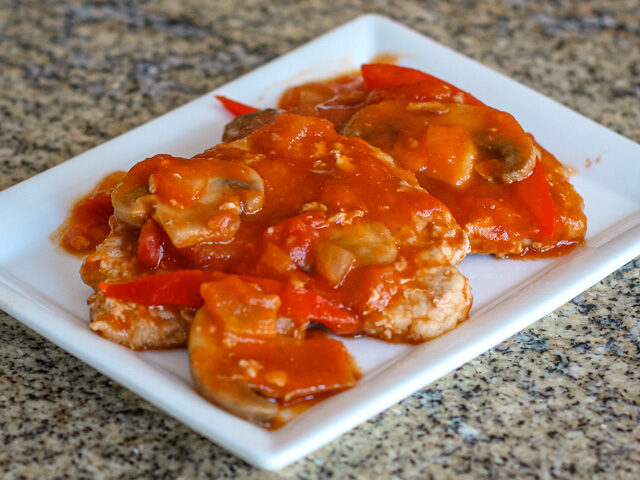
(232, 393)
(370, 242)
(510, 150)
(132, 199)
(496, 132)
(241, 356)
(244, 125)
(333, 262)
(194, 200)
(215, 216)
(236, 396)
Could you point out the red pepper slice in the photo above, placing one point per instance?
(182, 288)
(150, 247)
(301, 305)
(414, 84)
(155, 247)
(383, 75)
(234, 107)
(534, 192)
(296, 235)
(88, 224)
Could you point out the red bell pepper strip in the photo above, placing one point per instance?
(383, 75)
(296, 235)
(234, 107)
(182, 288)
(300, 305)
(534, 192)
(155, 247)
(150, 247)
(408, 82)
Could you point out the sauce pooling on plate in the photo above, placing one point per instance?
(88, 223)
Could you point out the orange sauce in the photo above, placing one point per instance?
(88, 223)
(388, 58)
(499, 221)
(298, 165)
(336, 100)
(328, 362)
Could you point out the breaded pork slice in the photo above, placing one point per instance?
(424, 295)
(135, 326)
(425, 307)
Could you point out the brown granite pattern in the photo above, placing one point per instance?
(559, 400)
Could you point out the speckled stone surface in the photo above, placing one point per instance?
(559, 400)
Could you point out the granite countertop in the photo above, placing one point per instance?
(558, 400)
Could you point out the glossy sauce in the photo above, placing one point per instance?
(291, 182)
(499, 221)
(235, 337)
(88, 223)
(512, 220)
(336, 100)
(315, 183)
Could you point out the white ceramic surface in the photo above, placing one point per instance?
(40, 285)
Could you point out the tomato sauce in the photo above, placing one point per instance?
(300, 223)
(499, 219)
(336, 100)
(234, 345)
(302, 171)
(88, 223)
(339, 231)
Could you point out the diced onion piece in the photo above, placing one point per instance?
(275, 258)
(333, 262)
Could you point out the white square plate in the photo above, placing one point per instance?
(40, 285)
